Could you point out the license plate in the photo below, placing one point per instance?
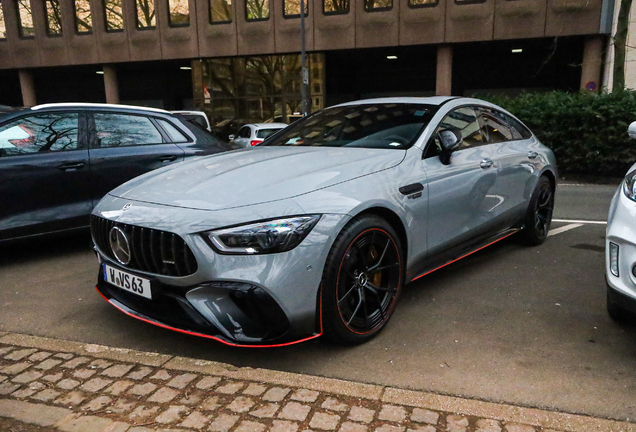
(127, 281)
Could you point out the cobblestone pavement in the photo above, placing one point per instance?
(53, 385)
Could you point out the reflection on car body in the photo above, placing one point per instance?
(316, 230)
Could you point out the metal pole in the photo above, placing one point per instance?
(304, 89)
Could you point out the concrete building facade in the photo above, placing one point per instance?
(239, 60)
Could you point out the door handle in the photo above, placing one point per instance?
(168, 158)
(532, 154)
(71, 166)
(486, 163)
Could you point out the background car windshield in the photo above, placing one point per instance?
(386, 125)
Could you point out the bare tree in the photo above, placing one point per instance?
(257, 9)
(146, 13)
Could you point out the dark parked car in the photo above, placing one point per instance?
(58, 160)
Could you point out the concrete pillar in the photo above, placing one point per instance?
(444, 79)
(27, 87)
(592, 62)
(110, 84)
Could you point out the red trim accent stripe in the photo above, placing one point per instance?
(463, 256)
(212, 337)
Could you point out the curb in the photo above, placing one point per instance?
(547, 420)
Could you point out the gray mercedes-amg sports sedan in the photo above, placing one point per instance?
(316, 230)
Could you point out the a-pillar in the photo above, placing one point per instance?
(110, 84)
(27, 87)
(444, 79)
(592, 62)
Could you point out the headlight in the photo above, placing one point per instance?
(629, 185)
(271, 236)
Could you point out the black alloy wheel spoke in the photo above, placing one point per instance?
(347, 293)
(376, 265)
(353, 315)
(373, 287)
(379, 269)
(366, 311)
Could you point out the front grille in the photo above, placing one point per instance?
(152, 251)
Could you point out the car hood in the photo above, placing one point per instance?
(255, 176)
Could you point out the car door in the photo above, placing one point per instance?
(512, 156)
(44, 174)
(243, 137)
(457, 190)
(123, 146)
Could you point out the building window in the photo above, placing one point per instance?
(377, 5)
(114, 15)
(422, 3)
(53, 18)
(220, 11)
(333, 7)
(291, 8)
(257, 10)
(83, 18)
(25, 20)
(3, 27)
(179, 13)
(146, 17)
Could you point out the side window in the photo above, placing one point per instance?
(175, 135)
(245, 132)
(463, 120)
(119, 130)
(494, 126)
(519, 131)
(40, 133)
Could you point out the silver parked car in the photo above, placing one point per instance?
(252, 134)
(316, 230)
(620, 248)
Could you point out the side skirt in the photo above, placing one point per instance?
(455, 254)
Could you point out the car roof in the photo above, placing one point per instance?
(269, 125)
(97, 106)
(433, 100)
(201, 113)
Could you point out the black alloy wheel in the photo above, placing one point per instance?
(539, 214)
(362, 280)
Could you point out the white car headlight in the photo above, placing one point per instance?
(278, 235)
(629, 185)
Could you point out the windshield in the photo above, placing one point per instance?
(385, 125)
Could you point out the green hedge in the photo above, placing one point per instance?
(587, 132)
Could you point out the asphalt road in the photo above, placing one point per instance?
(521, 325)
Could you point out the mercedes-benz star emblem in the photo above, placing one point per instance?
(119, 245)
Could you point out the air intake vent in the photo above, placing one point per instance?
(151, 250)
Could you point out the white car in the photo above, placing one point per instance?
(198, 117)
(254, 133)
(620, 248)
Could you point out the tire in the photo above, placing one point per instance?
(617, 312)
(536, 224)
(362, 279)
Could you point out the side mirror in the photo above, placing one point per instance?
(631, 130)
(451, 140)
(231, 137)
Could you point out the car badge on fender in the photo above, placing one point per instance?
(119, 245)
(126, 206)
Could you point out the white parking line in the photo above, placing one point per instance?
(580, 221)
(564, 229)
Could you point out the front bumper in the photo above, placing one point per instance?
(246, 300)
(621, 231)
